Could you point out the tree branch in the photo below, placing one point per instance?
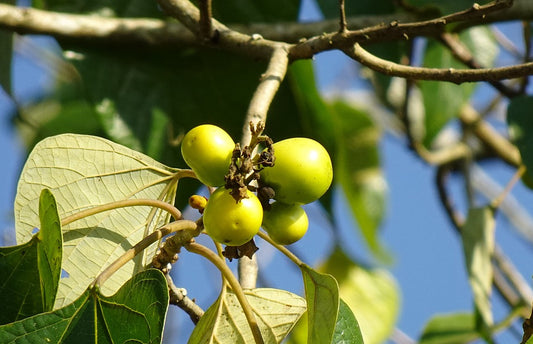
(179, 298)
(457, 76)
(490, 137)
(462, 54)
(257, 112)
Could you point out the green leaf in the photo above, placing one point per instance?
(84, 172)
(443, 100)
(322, 295)
(478, 243)
(347, 329)
(50, 248)
(361, 179)
(56, 115)
(445, 7)
(457, 328)
(242, 11)
(330, 9)
(136, 313)
(6, 56)
(31, 271)
(276, 311)
(520, 125)
(372, 294)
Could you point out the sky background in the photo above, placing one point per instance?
(428, 259)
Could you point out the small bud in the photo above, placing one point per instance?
(198, 202)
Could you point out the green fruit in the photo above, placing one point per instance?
(302, 171)
(285, 223)
(207, 149)
(229, 222)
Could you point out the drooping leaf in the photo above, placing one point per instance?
(456, 328)
(31, 271)
(372, 294)
(84, 172)
(358, 171)
(478, 243)
(322, 295)
(347, 329)
(136, 313)
(520, 125)
(443, 100)
(276, 311)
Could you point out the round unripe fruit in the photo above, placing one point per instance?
(207, 149)
(229, 222)
(302, 171)
(285, 223)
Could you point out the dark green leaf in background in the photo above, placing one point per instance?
(136, 313)
(322, 295)
(520, 124)
(456, 328)
(6, 56)
(31, 271)
(443, 100)
(445, 7)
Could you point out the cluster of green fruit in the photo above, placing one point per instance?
(301, 174)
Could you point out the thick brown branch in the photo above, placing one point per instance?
(456, 76)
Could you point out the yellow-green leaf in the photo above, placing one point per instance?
(372, 294)
(84, 172)
(478, 244)
(322, 295)
(276, 311)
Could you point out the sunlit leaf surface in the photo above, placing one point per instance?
(84, 172)
(276, 312)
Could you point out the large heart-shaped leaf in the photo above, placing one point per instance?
(31, 271)
(276, 311)
(84, 172)
(136, 313)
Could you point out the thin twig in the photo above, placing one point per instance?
(281, 248)
(342, 17)
(490, 137)
(234, 284)
(176, 214)
(206, 29)
(141, 246)
(179, 298)
(457, 76)
(495, 203)
(462, 54)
